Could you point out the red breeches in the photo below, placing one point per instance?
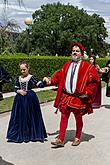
(64, 124)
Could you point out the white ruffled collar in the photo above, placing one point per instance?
(25, 78)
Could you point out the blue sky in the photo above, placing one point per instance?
(101, 7)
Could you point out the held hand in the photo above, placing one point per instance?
(46, 79)
(106, 69)
(22, 92)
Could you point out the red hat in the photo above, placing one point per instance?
(79, 45)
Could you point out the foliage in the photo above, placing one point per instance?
(40, 66)
(8, 34)
(9, 30)
(102, 61)
(56, 25)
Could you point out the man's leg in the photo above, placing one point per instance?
(63, 125)
(59, 142)
(79, 126)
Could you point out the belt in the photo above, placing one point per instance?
(71, 94)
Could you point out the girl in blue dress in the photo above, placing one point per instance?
(26, 122)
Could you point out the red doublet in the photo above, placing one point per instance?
(86, 82)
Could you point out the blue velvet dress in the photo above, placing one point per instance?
(26, 122)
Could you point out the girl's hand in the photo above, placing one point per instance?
(22, 92)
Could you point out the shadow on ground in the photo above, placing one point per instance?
(106, 106)
(70, 134)
(3, 162)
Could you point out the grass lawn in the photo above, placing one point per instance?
(44, 96)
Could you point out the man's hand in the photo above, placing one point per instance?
(46, 79)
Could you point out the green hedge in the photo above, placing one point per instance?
(102, 61)
(40, 66)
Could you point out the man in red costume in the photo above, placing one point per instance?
(76, 82)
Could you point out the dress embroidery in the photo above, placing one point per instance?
(24, 82)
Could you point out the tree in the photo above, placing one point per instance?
(56, 25)
(8, 33)
(9, 30)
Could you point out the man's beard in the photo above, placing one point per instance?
(77, 58)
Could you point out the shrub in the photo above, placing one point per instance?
(40, 66)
